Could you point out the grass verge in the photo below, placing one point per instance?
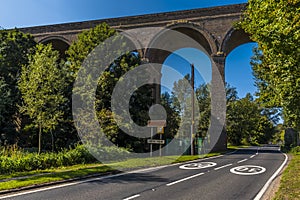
(25, 179)
(290, 181)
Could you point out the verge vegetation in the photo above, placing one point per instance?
(290, 181)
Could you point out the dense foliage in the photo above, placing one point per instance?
(247, 123)
(44, 94)
(42, 85)
(15, 47)
(13, 159)
(275, 26)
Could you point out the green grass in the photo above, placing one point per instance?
(290, 182)
(88, 169)
(234, 147)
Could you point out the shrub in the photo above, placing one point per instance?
(296, 150)
(14, 159)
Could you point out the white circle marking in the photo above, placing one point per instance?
(248, 170)
(199, 165)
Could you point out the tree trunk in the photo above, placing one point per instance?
(52, 138)
(40, 137)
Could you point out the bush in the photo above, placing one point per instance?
(296, 150)
(14, 159)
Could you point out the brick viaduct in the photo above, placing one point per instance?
(211, 27)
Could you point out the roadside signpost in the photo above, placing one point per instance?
(152, 141)
(159, 125)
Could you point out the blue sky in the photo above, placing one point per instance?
(24, 13)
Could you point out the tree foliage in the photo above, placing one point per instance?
(247, 123)
(275, 26)
(6, 100)
(141, 99)
(14, 49)
(42, 84)
(86, 42)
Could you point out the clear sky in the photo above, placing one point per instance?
(24, 13)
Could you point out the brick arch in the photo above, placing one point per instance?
(233, 39)
(134, 42)
(58, 43)
(203, 36)
(198, 34)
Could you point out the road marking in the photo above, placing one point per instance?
(101, 178)
(223, 166)
(200, 165)
(133, 197)
(253, 156)
(264, 189)
(60, 186)
(242, 160)
(184, 179)
(248, 170)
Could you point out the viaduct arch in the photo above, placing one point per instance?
(212, 28)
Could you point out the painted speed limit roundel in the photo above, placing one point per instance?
(248, 170)
(199, 165)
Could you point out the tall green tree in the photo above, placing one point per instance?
(204, 102)
(173, 118)
(42, 84)
(6, 99)
(181, 95)
(275, 26)
(14, 49)
(247, 123)
(140, 101)
(86, 43)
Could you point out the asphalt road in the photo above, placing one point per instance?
(240, 175)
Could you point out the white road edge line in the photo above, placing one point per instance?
(133, 197)
(242, 160)
(184, 179)
(263, 190)
(58, 186)
(100, 178)
(223, 166)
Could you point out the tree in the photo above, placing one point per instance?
(141, 99)
(204, 102)
(14, 49)
(181, 95)
(6, 99)
(247, 123)
(86, 42)
(275, 26)
(42, 84)
(173, 118)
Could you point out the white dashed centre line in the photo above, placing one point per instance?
(223, 166)
(132, 197)
(242, 160)
(184, 179)
(252, 156)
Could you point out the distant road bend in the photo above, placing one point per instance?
(242, 175)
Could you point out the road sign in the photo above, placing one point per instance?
(199, 165)
(248, 170)
(152, 141)
(156, 123)
(160, 130)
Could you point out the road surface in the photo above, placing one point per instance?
(240, 175)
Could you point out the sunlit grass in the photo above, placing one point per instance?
(234, 147)
(76, 171)
(290, 182)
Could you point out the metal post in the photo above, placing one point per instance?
(151, 143)
(193, 105)
(160, 137)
